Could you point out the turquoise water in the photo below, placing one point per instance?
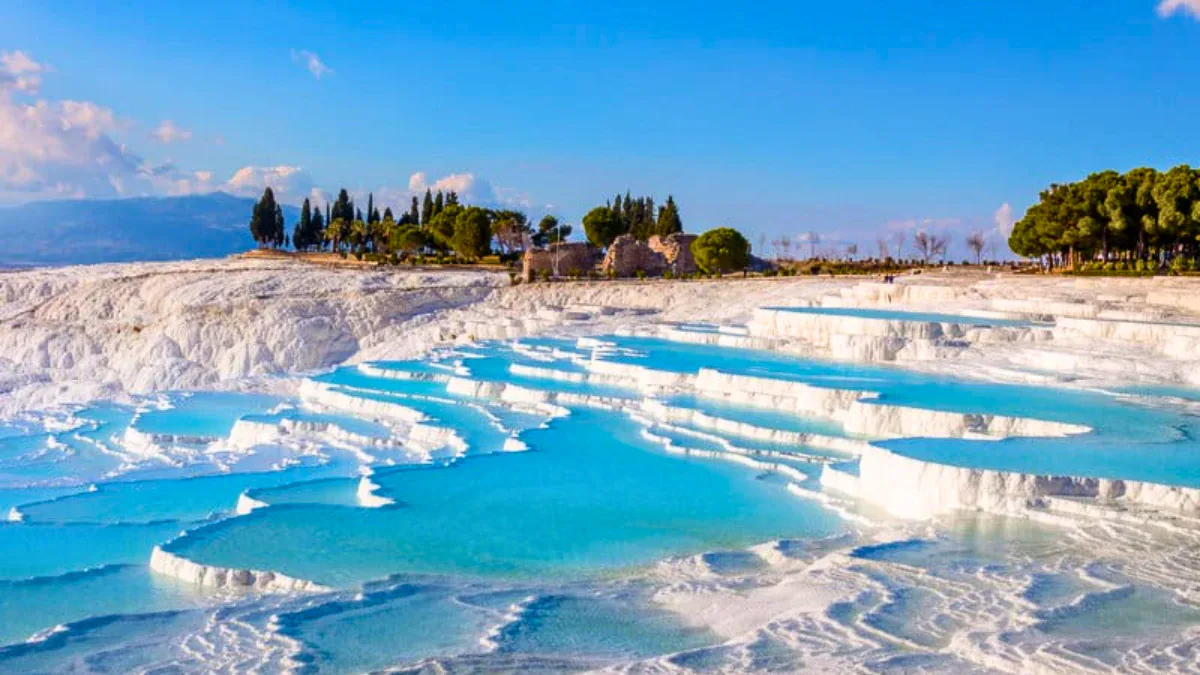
(1135, 440)
(897, 315)
(579, 504)
(542, 559)
(203, 414)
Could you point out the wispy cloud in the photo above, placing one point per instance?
(169, 132)
(1172, 7)
(312, 62)
(20, 72)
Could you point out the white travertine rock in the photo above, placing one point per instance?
(208, 576)
(912, 488)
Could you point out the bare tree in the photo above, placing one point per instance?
(975, 242)
(898, 238)
(882, 244)
(776, 248)
(938, 245)
(851, 251)
(924, 245)
(813, 240)
(786, 242)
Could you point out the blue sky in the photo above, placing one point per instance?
(777, 118)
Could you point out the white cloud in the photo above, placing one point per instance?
(1171, 7)
(57, 148)
(291, 184)
(20, 72)
(312, 62)
(1003, 217)
(74, 149)
(169, 132)
(470, 189)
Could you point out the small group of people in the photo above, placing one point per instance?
(889, 278)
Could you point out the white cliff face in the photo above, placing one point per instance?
(102, 331)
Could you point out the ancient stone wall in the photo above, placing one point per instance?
(627, 256)
(676, 249)
(571, 256)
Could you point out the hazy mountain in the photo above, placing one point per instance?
(122, 230)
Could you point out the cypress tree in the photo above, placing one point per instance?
(358, 214)
(370, 207)
(438, 203)
(427, 208)
(343, 208)
(304, 227)
(452, 198)
(278, 229)
(414, 212)
(318, 230)
(668, 219)
(265, 227)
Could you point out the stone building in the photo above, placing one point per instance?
(676, 249)
(627, 256)
(568, 256)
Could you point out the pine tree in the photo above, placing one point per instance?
(387, 213)
(358, 214)
(317, 233)
(278, 228)
(414, 212)
(427, 208)
(343, 208)
(263, 221)
(452, 198)
(438, 203)
(668, 219)
(304, 227)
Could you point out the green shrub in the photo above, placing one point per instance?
(723, 249)
(641, 274)
(545, 275)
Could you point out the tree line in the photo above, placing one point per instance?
(629, 215)
(440, 224)
(1144, 217)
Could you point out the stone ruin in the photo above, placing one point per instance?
(677, 250)
(627, 256)
(571, 256)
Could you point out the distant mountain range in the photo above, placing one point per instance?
(126, 230)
